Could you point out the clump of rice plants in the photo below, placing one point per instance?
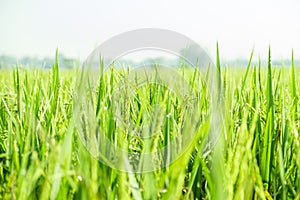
(257, 155)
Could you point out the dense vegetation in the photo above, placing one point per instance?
(256, 155)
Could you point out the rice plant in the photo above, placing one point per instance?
(257, 155)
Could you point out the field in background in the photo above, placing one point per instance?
(258, 156)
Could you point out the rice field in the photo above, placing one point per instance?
(44, 152)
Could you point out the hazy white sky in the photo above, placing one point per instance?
(36, 28)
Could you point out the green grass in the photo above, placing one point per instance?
(256, 154)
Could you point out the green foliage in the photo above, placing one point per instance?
(256, 157)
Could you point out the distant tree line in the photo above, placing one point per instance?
(188, 58)
(33, 62)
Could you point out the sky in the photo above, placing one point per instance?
(37, 27)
